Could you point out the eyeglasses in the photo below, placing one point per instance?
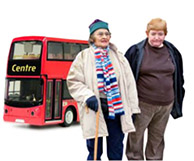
(100, 34)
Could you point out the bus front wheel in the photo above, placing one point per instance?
(68, 118)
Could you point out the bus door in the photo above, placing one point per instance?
(53, 109)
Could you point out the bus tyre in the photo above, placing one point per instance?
(68, 118)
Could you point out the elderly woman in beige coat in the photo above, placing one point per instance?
(100, 78)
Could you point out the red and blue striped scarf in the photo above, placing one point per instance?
(107, 82)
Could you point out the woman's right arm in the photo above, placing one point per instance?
(76, 80)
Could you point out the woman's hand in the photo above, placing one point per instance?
(92, 103)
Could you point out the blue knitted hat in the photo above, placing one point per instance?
(98, 24)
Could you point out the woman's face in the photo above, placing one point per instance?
(101, 38)
(156, 38)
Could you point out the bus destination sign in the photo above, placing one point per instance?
(21, 67)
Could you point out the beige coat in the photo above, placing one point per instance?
(82, 84)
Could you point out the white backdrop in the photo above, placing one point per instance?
(70, 19)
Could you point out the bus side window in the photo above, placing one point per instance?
(75, 49)
(66, 94)
(84, 46)
(67, 53)
(55, 51)
(71, 50)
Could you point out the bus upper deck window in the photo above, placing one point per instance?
(26, 50)
(55, 50)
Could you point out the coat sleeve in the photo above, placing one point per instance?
(180, 66)
(132, 95)
(129, 84)
(132, 57)
(180, 81)
(76, 80)
(130, 54)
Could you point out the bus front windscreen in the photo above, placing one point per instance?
(24, 92)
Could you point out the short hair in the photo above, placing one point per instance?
(157, 24)
(91, 39)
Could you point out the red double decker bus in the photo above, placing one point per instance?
(36, 92)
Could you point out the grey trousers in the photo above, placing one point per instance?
(154, 118)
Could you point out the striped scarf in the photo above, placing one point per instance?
(107, 82)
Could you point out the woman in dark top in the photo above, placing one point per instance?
(157, 67)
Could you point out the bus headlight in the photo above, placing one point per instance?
(32, 113)
(6, 111)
